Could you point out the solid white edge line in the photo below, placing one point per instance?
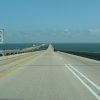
(94, 93)
(97, 87)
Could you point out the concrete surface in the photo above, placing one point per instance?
(45, 77)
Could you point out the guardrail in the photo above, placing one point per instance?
(17, 51)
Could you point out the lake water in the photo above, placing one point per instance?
(79, 47)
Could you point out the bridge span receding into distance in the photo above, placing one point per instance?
(49, 75)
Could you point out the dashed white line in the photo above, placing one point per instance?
(70, 68)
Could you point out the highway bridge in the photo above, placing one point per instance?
(49, 75)
(17, 51)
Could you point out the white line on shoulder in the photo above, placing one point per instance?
(87, 86)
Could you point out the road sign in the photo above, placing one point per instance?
(1, 35)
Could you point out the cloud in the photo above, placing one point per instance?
(94, 30)
(66, 30)
(60, 35)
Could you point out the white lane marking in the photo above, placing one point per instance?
(87, 86)
(96, 86)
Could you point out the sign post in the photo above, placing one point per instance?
(1, 36)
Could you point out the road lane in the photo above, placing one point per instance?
(91, 86)
(9, 68)
(45, 78)
(89, 67)
(13, 58)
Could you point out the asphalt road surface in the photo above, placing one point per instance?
(49, 75)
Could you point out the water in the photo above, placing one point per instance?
(89, 50)
(85, 50)
(15, 46)
(78, 47)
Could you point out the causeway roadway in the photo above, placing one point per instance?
(49, 75)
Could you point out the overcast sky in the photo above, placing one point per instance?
(50, 20)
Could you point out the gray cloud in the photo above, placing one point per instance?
(61, 35)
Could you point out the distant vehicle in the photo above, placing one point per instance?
(43, 44)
